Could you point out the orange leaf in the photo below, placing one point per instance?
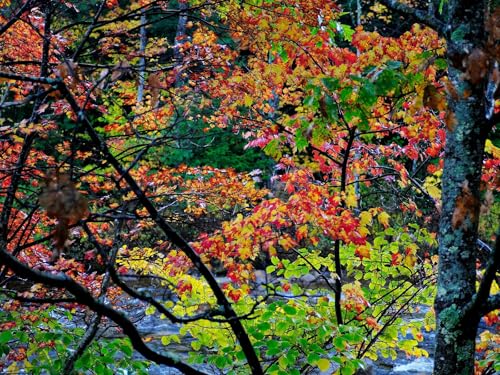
(363, 251)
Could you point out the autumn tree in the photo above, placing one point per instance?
(61, 139)
(100, 102)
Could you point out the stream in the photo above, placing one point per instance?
(153, 326)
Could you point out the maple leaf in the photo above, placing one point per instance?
(372, 322)
(363, 251)
(365, 218)
(383, 218)
(410, 260)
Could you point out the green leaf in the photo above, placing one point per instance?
(272, 344)
(441, 64)
(196, 345)
(340, 343)
(367, 94)
(264, 326)
(100, 369)
(23, 337)
(290, 310)
(311, 101)
(345, 94)
(291, 356)
(282, 327)
(127, 349)
(331, 84)
(391, 332)
(221, 361)
(301, 141)
(313, 358)
(386, 82)
(459, 33)
(347, 370)
(272, 352)
(165, 340)
(348, 32)
(354, 337)
(5, 337)
(331, 108)
(240, 355)
(86, 360)
(272, 149)
(393, 65)
(441, 5)
(273, 369)
(407, 345)
(258, 335)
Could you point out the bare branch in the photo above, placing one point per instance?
(492, 304)
(89, 31)
(480, 303)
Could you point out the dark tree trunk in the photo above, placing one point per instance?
(456, 329)
(457, 316)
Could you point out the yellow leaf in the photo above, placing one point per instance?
(434, 191)
(363, 231)
(365, 218)
(410, 260)
(165, 340)
(492, 149)
(272, 250)
(263, 23)
(351, 200)
(13, 369)
(248, 100)
(323, 364)
(494, 288)
(247, 229)
(383, 218)
(245, 252)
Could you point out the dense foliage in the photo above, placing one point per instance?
(264, 175)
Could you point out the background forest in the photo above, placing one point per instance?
(284, 183)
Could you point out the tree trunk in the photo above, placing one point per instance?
(142, 62)
(180, 37)
(457, 322)
(456, 329)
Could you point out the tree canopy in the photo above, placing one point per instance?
(283, 182)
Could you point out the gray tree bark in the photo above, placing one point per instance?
(458, 306)
(142, 64)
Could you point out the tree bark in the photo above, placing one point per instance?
(458, 319)
(180, 37)
(142, 62)
(456, 328)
